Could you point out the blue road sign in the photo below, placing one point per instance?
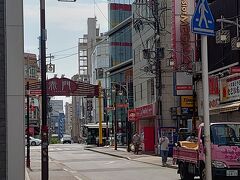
(202, 21)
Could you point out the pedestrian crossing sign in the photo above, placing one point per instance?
(203, 21)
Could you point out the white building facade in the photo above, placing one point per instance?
(100, 64)
(144, 73)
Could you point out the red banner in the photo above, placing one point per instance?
(35, 92)
(235, 69)
(121, 105)
(142, 112)
(213, 85)
(183, 87)
(123, 7)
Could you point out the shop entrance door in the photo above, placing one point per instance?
(149, 138)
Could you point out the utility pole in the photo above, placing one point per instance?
(127, 122)
(28, 124)
(194, 95)
(100, 112)
(115, 120)
(28, 131)
(44, 128)
(158, 56)
(204, 52)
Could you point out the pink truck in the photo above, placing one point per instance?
(225, 146)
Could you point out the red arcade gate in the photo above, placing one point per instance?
(65, 87)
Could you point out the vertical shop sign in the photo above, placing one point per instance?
(183, 40)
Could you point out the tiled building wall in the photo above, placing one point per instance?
(142, 87)
(2, 94)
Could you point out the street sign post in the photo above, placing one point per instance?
(203, 24)
(203, 21)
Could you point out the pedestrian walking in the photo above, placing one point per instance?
(163, 143)
(136, 142)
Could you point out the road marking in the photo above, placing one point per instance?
(110, 162)
(73, 172)
(26, 175)
(78, 178)
(65, 169)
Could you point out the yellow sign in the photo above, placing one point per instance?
(187, 101)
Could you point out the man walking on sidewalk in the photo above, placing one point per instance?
(163, 143)
(136, 142)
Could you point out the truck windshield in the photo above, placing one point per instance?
(225, 134)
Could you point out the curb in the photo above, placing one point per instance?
(26, 174)
(128, 158)
(115, 155)
(168, 166)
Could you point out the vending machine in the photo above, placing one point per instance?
(171, 133)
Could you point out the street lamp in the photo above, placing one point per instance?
(223, 36)
(28, 126)
(114, 91)
(120, 93)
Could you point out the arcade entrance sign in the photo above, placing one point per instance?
(65, 87)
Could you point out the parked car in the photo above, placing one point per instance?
(33, 141)
(66, 139)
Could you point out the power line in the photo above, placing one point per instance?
(129, 28)
(65, 57)
(105, 39)
(90, 47)
(102, 12)
(64, 50)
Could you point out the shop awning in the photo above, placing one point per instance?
(225, 108)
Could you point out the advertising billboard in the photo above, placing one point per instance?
(230, 88)
(183, 40)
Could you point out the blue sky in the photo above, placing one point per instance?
(65, 23)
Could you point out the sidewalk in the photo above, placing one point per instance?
(122, 153)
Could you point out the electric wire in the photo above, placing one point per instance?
(105, 39)
(102, 12)
(64, 50)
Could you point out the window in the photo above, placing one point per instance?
(150, 90)
(31, 72)
(225, 134)
(99, 73)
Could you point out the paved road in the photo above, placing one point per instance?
(72, 162)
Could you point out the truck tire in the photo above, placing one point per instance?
(203, 174)
(184, 175)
